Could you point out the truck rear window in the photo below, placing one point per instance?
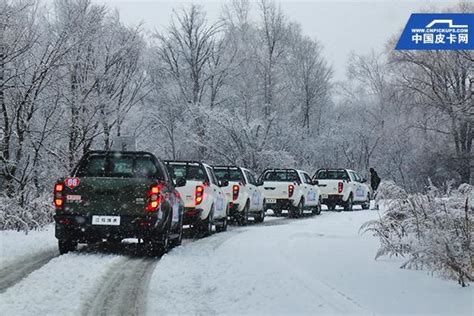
(281, 176)
(331, 175)
(187, 171)
(229, 174)
(118, 166)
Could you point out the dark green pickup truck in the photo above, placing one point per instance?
(115, 195)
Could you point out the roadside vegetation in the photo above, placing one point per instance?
(432, 231)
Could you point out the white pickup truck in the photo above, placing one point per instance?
(342, 187)
(290, 189)
(205, 202)
(243, 192)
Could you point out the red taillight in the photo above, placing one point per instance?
(235, 192)
(199, 194)
(153, 197)
(340, 187)
(58, 195)
(291, 189)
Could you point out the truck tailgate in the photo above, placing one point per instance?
(329, 187)
(276, 189)
(107, 196)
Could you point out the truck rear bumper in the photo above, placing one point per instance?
(281, 204)
(192, 216)
(333, 199)
(80, 228)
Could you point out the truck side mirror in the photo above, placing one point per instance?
(180, 182)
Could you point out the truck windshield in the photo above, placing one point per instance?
(331, 175)
(118, 166)
(229, 174)
(188, 171)
(281, 175)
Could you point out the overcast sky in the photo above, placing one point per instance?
(341, 26)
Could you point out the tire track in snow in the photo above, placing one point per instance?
(125, 289)
(15, 272)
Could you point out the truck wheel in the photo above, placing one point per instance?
(223, 226)
(277, 212)
(158, 247)
(296, 211)
(317, 209)
(66, 245)
(244, 217)
(206, 225)
(260, 217)
(349, 204)
(177, 242)
(366, 204)
(300, 209)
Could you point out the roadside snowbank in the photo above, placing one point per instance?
(17, 246)
(318, 265)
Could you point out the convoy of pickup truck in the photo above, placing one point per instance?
(115, 195)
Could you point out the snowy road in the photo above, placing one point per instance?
(312, 265)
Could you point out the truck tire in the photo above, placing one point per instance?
(349, 204)
(277, 212)
(244, 217)
(66, 245)
(158, 246)
(260, 217)
(206, 225)
(223, 225)
(317, 209)
(300, 209)
(177, 241)
(296, 211)
(366, 204)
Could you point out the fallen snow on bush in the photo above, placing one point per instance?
(33, 214)
(433, 231)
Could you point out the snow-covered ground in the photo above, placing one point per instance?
(315, 265)
(17, 246)
(318, 265)
(63, 286)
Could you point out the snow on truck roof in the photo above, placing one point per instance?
(186, 162)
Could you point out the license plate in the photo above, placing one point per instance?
(106, 220)
(271, 201)
(324, 196)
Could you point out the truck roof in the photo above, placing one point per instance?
(100, 152)
(185, 162)
(282, 169)
(344, 169)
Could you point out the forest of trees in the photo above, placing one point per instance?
(250, 89)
